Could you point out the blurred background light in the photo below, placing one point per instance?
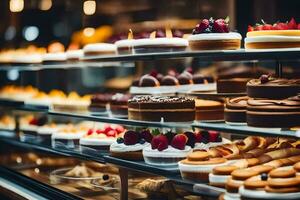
(30, 33)
(88, 32)
(89, 7)
(10, 33)
(16, 5)
(45, 4)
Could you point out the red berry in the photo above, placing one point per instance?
(267, 27)
(298, 27)
(111, 133)
(204, 24)
(198, 137)
(281, 26)
(220, 26)
(258, 28)
(159, 142)
(292, 24)
(90, 132)
(107, 129)
(153, 73)
(119, 129)
(250, 28)
(179, 141)
(213, 136)
(264, 78)
(146, 135)
(100, 131)
(131, 138)
(34, 121)
(191, 138)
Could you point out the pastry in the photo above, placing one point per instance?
(232, 85)
(101, 138)
(7, 123)
(118, 105)
(156, 43)
(209, 110)
(277, 36)
(100, 103)
(272, 88)
(214, 35)
(99, 49)
(273, 113)
(235, 110)
(166, 151)
(131, 145)
(29, 127)
(54, 58)
(156, 108)
(72, 103)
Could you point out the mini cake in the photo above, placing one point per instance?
(100, 103)
(54, 58)
(130, 147)
(72, 103)
(156, 43)
(272, 88)
(276, 36)
(165, 153)
(118, 105)
(125, 46)
(74, 55)
(44, 132)
(208, 139)
(214, 35)
(68, 136)
(154, 108)
(209, 110)
(273, 113)
(7, 123)
(99, 49)
(233, 85)
(235, 110)
(29, 128)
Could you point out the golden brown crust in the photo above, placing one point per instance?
(271, 45)
(282, 173)
(198, 156)
(224, 170)
(243, 174)
(283, 182)
(262, 168)
(215, 44)
(256, 184)
(212, 161)
(297, 166)
(282, 190)
(232, 186)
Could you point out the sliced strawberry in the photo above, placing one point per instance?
(111, 133)
(119, 129)
(34, 121)
(179, 141)
(107, 129)
(250, 28)
(281, 26)
(258, 28)
(267, 27)
(213, 136)
(90, 131)
(292, 24)
(100, 131)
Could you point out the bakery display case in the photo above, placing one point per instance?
(153, 106)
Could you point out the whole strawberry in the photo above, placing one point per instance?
(131, 138)
(159, 142)
(179, 141)
(220, 26)
(292, 24)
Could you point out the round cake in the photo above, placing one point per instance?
(125, 46)
(74, 55)
(279, 35)
(235, 110)
(274, 113)
(214, 35)
(156, 108)
(209, 110)
(272, 88)
(233, 85)
(99, 49)
(54, 58)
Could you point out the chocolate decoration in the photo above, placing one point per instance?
(184, 79)
(198, 79)
(148, 81)
(169, 80)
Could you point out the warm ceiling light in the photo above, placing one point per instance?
(45, 4)
(16, 5)
(88, 32)
(89, 7)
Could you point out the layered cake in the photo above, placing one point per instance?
(159, 43)
(274, 113)
(233, 85)
(131, 145)
(209, 110)
(99, 49)
(157, 108)
(212, 34)
(272, 88)
(100, 103)
(167, 149)
(277, 36)
(101, 138)
(118, 105)
(235, 110)
(54, 58)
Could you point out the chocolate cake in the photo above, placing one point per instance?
(235, 110)
(233, 85)
(154, 108)
(273, 88)
(274, 113)
(118, 104)
(99, 102)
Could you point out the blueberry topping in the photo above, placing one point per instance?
(105, 177)
(142, 141)
(120, 140)
(264, 176)
(219, 138)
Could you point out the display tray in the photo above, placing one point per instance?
(213, 95)
(10, 102)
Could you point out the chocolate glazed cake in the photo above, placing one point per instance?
(235, 110)
(274, 113)
(271, 88)
(153, 108)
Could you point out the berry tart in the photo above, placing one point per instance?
(131, 145)
(99, 49)
(154, 108)
(159, 42)
(167, 149)
(101, 138)
(272, 88)
(212, 34)
(235, 110)
(277, 36)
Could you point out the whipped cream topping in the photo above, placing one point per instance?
(160, 41)
(215, 36)
(28, 58)
(272, 38)
(74, 54)
(199, 168)
(46, 130)
(54, 57)
(98, 47)
(97, 141)
(261, 194)
(232, 196)
(116, 147)
(170, 152)
(124, 43)
(39, 101)
(217, 178)
(68, 136)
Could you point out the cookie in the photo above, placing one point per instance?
(282, 190)
(253, 185)
(283, 182)
(232, 186)
(297, 167)
(224, 170)
(262, 168)
(243, 174)
(282, 173)
(198, 156)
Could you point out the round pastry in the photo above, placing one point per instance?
(214, 35)
(54, 58)
(233, 85)
(74, 55)
(277, 36)
(154, 108)
(235, 110)
(272, 88)
(273, 113)
(209, 110)
(99, 49)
